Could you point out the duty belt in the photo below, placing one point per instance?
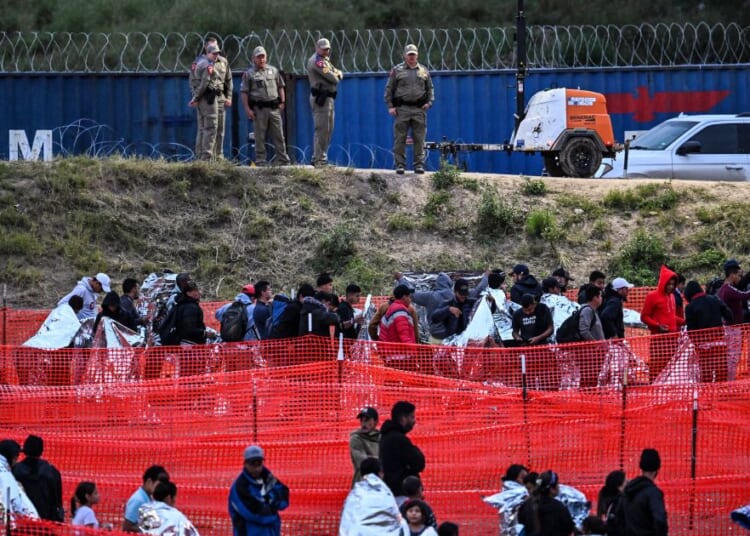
(273, 104)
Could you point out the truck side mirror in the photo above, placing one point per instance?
(692, 146)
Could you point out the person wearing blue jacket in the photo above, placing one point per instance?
(256, 498)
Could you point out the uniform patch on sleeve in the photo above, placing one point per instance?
(319, 64)
(210, 69)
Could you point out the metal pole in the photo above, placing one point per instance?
(623, 420)
(525, 395)
(693, 457)
(520, 64)
(255, 410)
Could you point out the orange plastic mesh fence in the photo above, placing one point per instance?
(714, 355)
(302, 414)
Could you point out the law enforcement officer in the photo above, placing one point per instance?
(225, 101)
(209, 97)
(409, 94)
(195, 81)
(324, 79)
(264, 97)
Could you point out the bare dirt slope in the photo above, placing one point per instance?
(228, 225)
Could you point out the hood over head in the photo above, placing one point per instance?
(665, 274)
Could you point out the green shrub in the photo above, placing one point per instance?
(438, 204)
(336, 248)
(640, 259)
(401, 222)
(446, 177)
(651, 196)
(542, 224)
(534, 187)
(495, 215)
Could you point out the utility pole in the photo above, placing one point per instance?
(520, 63)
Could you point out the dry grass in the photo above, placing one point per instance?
(229, 225)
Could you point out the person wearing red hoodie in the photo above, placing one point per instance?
(659, 313)
(397, 324)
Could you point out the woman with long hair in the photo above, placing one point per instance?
(543, 515)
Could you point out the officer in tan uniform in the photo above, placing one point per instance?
(264, 98)
(225, 101)
(208, 96)
(409, 94)
(324, 79)
(195, 81)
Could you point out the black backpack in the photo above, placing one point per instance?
(234, 322)
(616, 522)
(168, 328)
(568, 330)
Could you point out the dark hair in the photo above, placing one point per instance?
(76, 303)
(527, 299)
(596, 274)
(128, 284)
(513, 471)
(494, 280)
(447, 528)
(401, 409)
(369, 466)
(609, 491)
(79, 497)
(156, 472)
(181, 279)
(164, 490)
(590, 292)
(411, 503)
(323, 279)
(351, 288)
(691, 289)
(531, 478)
(732, 269)
(322, 296)
(546, 481)
(306, 290)
(550, 283)
(680, 278)
(411, 485)
(261, 287)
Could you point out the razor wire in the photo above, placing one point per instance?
(366, 51)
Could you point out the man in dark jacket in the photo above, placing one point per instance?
(524, 283)
(643, 503)
(398, 455)
(190, 329)
(454, 315)
(256, 498)
(611, 313)
(288, 324)
(703, 316)
(41, 480)
(316, 316)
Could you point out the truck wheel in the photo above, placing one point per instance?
(580, 158)
(552, 165)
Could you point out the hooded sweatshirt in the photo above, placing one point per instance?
(399, 457)
(659, 308)
(644, 510)
(526, 285)
(432, 299)
(363, 445)
(84, 290)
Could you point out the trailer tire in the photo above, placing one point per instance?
(552, 165)
(580, 157)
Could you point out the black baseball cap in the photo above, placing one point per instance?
(368, 413)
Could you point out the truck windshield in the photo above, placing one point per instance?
(662, 135)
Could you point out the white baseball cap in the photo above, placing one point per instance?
(104, 281)
(620, 282)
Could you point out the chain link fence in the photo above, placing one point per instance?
(457, 49)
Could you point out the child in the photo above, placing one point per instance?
(416, 517)
(85, 497)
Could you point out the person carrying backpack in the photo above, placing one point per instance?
(240, 327)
